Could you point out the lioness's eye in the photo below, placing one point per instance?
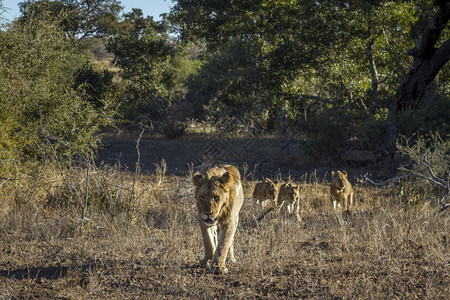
(217, 198)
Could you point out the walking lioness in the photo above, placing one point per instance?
(219, 196)
(341, 190)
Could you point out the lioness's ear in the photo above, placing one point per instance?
(197, 179)
(225, 179)
(333, 174)
(344, 173)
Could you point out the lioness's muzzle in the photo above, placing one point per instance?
(210, 222)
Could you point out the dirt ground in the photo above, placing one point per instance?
(386, 252)
(383, 249)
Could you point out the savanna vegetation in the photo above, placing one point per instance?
(90, 210)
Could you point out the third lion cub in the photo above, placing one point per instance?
(289, 199)
(341, 190)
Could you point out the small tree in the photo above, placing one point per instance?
(41, 112)
(145, 54)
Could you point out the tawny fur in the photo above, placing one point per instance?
(266, 192)
(341, 190)
(219, 196)
(289, 199)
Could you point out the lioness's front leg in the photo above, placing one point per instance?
(350, 199)
(297, 211)
(231, 250)
(209, 235)
(226, 236)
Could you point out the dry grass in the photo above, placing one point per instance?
(150, 250)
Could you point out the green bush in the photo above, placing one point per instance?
(334, 131)
(432, 115)
(41, 113)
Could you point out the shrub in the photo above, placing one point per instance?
(431, 115)
(333, 131)
(41, 113)
(424, 154)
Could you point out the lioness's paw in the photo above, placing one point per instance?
(218, 270)
(204, 262)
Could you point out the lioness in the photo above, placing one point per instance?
(266, 192)
(289, 199)
(341, 190)
(219, 195)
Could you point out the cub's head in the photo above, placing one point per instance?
(292, 191)
(339, 180)
(211, 194)
(272, 187)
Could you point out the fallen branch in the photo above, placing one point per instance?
(433, 179)
(264, 214)
(367, 179)
(444, 207)
(436, 183)
(437, 179)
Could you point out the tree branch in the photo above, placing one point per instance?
(367, 179)
(439, 181)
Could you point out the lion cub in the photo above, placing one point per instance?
(341, 190)
(219, 196)
(266, 192)
(289, 199)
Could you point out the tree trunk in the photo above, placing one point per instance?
(374, 75)
(427, 63)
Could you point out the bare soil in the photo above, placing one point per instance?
(382, 249)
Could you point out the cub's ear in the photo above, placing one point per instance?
(197, 179)
(344, 173)
(225, 179)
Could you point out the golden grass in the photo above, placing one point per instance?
(384, 249)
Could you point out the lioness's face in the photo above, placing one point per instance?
(210, 204)
(211, 195)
